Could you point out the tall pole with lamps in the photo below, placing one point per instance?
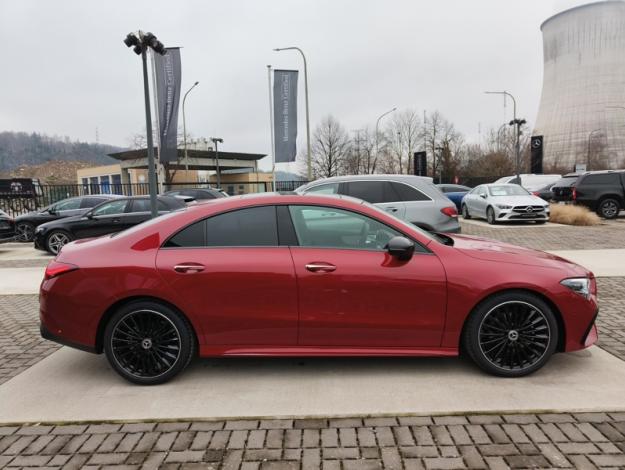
(308, 148)
(141, 42)
(184, 132)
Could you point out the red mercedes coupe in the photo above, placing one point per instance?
(310, 275)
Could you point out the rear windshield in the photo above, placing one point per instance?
(566, 180)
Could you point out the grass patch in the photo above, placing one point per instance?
(569, 214)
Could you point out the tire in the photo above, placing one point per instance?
(490, 216)
(25, 232)
(465, 212)
(510, 357)
(56, 240)
(136, 354)
(609, 208)
(541, 222)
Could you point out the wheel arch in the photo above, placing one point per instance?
(540, 295)
(109, 312)
(616, 197)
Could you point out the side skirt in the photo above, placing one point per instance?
(320, 351)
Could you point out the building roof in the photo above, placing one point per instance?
(580, 7)
(143, 153)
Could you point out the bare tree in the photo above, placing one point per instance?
(404, 134)
(331, 148)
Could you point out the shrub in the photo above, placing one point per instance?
(572, 215)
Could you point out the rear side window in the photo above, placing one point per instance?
(143, 205)
(330, 188)
(408, 193)
(566, 181)
(605, 178)
(91, 202)
(374, 192)
(255, 226)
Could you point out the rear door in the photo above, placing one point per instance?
(229, 272)
(380, 193)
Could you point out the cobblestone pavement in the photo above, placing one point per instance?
(24, 263)
(604, 236)
(21, 345)
(611, 319)
(589, 440)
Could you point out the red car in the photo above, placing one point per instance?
(310, 275)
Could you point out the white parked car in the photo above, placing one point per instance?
(504, 203)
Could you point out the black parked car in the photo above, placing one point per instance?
(600, 191)
(7, 227)
(26, 224)
(197, 193)
(108, 217)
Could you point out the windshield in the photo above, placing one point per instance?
(507, 190)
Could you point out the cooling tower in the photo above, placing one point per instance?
(582, 107)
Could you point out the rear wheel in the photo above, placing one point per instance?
(609, 208)
(148, 343)
(465, 212)
(490, 216)
(25, 231)
(511, 334)
(56, 240)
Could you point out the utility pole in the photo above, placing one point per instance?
(216, 141)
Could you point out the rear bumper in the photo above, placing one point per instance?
(47, 334)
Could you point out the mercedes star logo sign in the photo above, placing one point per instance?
(529, 209)
(535, 143)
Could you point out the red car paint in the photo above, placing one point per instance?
(262, 300)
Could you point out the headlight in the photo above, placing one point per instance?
(579, 285)
(503, 206)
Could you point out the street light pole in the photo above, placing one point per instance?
(515, 122)
(141, 42)
(216, 141)
(377, 125)
(308, 149)
(184, 132)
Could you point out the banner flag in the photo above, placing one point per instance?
(285, 115)
(168, 74)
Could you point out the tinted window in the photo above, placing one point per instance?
(67, 205)
(113, 207)
(143, 205)
(566, 181)
(335, 228)
(375, 192)
(605, 178)
(330, 188)
(192, 236)
(408, 193)
(255, 226)
(91, 202)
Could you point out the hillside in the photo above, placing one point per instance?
(20, 149)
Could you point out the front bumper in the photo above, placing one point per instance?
(517, 215)
(39, 241)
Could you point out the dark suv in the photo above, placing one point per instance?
(600, 191)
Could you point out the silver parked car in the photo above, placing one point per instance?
(414, 199)
(503, 203)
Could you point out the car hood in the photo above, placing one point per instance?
(493, 250)
(62, 221)
(517, 200)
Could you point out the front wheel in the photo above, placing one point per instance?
(56, 240)
(25, 232)
(465, 212)
(148, 343)
(511, 334)
(490, 216)
(609, 208)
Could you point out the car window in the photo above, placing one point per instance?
(143, 205)
(603, 178)
(328, 227)
(329, 188)
(375, 192)
(67, 205)
(408, 193)
(192, 236)
(566, 181)
(88, 202)
(113, 207)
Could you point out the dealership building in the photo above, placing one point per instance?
(582, 109)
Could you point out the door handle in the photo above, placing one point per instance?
(117, 220)
(320, 267)
(188, 268)
(392, 209)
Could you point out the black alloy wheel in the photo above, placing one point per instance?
(25, 231)
(609, 208)
(56, 240)
(148, 343)
(511, 335)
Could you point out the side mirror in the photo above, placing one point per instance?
(52, 211)
(400, 248)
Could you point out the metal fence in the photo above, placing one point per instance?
(40, 196)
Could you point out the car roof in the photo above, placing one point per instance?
(384, 177)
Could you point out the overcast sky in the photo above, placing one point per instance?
(65, 70)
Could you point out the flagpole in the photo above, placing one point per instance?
(159, 168)
(273, 146)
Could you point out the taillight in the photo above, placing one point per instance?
(535, 193)
(56, 268)
(450, 212)
(574, 194)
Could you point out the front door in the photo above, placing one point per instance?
(103, 219)
(353, 293)
(228, 272)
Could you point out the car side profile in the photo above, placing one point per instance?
(26, 224)
(414, 199)
(504, 203)
(108, 217)
(7, 227)
(600, 191)
(321, 276)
